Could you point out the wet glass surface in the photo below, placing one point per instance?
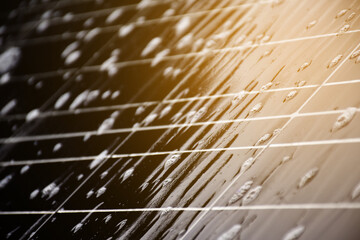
(157, 119)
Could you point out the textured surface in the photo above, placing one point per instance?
(180, 119)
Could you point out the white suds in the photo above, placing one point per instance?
(9, 59)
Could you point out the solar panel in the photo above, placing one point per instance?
(184, 119)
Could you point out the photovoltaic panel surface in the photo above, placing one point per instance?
(184, 119)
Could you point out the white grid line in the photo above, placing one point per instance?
(299, 206)
(169, 101)
(10, 140)
(136, 23)
(42, 4)
(179, 56)
(101, 12)
(124, 155)
(270, 141)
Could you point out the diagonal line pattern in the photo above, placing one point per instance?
(270, 141)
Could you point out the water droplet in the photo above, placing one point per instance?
(240, 193)
(166, 181)
(107, 218)
(169, 12)
(256, 108)
(139, 110)
(182, 25)
(89, 193)
(238, 97)
(185, 41)
(92, 96)
(24, 169)
(109, 66)
(276, 131)
(5, 181)
(100, 191)
(335, 61)
(150, 118)
(151, 46)
(77, 227)
(251, 195)
(294, 233)
(69, 49)
(57, 147)
(345, 28)
(263, 139)
(80, 176)
(126, 30)
(266, 87)
(356, 191)
(290, 96)
(341, 13)
(115, 15)
(79, 78)
(267, 53)
(165, 111)
(176, 72)
(304, 66)
(311, 24)
(104, 174)
(34, 194)
(39, 85)
(87, 137)
(33, 114)
(50, 190)
(211, 43)
(159, 57)
(344, 119)
(68, 17)
(265, 39)
(102, 156)
(165, 211)
(176, 117)
(247, 164)
(90, 35)
(8, 107)
(300, 84)
(168, 71)
(106, 94)
(127, 174)
(190, 115)
(62, 100)
(43, 26)
(89, 22)
(220, 38)
(144, 186)
(169, 162)
(31, 81)
(136, 125)
(197, 115)
(350, 17)
(231, 233)
(357, 59)
(106, 125)
(5, 78)
(198, 44)
(355, 54)
(308, 177)
(72, 57)
(286, 159)
(120, 225)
